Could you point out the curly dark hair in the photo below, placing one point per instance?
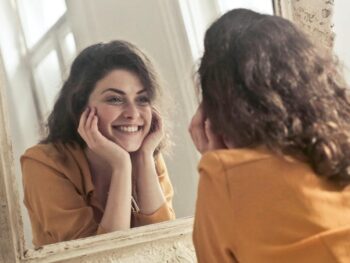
(91, 65)
(264, 82)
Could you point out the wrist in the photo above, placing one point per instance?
(121, 162)
(142, 154)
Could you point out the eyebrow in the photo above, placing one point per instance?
(120, 91)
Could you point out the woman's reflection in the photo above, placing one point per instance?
(100, 168)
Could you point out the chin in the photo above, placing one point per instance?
(130, 148)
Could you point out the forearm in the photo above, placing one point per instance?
(118, 206)
(150, 196)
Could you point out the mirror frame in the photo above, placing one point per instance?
(163, 242)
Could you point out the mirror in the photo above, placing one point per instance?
(52, 37)
(36, 57)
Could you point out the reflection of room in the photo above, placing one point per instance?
(39, 39)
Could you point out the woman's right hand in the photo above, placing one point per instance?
(202, 135)
(114, 155)
(118, 200)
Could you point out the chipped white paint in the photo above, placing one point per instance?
(313, 16)
(11, 237)
(164, 242)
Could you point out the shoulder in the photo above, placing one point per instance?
(231, 158)
(57, 156)
(46, 154)
(51, 153)
(253, 166)
(52, 161)
(259, 176)
(42, 151)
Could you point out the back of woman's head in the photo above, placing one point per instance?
(265, 83)
(90, 66)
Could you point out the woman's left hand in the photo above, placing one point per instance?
(155, 135)
(147, 189)
(202, 135)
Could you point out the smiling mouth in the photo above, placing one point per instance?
(128, 128)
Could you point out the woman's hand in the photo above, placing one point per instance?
(202, 135)
(118, 200)
(109, 151)
(148, 192)
(155, 135)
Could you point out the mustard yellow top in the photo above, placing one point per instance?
(254, 206)
(59, 194)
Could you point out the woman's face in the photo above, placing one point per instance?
(123, 108)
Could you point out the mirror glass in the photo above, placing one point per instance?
(40, 39)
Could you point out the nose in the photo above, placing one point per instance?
(131, 111)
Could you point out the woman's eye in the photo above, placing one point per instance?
(115, 100)
(144, 100)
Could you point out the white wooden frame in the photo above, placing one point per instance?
(165, 242)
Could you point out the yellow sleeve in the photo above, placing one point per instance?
(56, 209)
(213, 232)
(165, 212)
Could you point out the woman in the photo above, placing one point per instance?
(100, 169)
(274, 131)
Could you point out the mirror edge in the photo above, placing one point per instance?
(11, 228)
(167, 240)
(282, 8)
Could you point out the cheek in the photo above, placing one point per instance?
(106, 115)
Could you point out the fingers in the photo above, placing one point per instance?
(208, 131)
(197, 130)
(215, 141)
(202, 134)
(155, 134)
(88, 126)
(157, 122)
(90, 118)
(93, 131)
(213, 138)
(82, 122)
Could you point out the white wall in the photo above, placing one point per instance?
(341, 19)
(24, 122)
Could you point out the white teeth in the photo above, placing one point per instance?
(128, 128)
